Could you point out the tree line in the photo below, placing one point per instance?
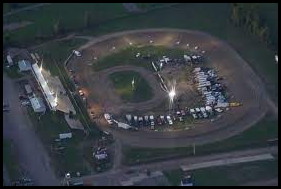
(245, 15)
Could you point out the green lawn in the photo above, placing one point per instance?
(10, 160)
(231, 175)
(269, 15)
(256, 136)
(71, 16)
(50, 125)
(122, 81)
(127, 56)
(48, 128)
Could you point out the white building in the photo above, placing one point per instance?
(37, 104)
(24, 65)
(49, 96)
(10, 61)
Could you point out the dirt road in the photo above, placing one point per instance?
(242, 83)
(31, 153)
(115, 176)
(25, 8)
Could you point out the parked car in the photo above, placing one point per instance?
(163, 119)
(140, 121)
(146, 120)
(136, 121)
(169, 119)
(152, 123)
(159, 121)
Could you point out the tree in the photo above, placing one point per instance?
(235, 14)
(87, 19)
(58, 28)
(263, 34)
(7, 39)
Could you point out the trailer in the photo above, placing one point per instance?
(203, 110)
(222, 105)
(123, 125)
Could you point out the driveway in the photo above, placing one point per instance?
(32, 155)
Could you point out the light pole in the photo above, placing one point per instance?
(133, 84)
(172, 94)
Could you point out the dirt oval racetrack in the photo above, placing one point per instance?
(240, 80)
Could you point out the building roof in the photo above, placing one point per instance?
(9, 59)
(37, 104)
(46, 90)
(24, 65)
(28, 89)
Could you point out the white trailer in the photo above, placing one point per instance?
(205, 115)
(209, 109)
(222, 105)
(123, 125)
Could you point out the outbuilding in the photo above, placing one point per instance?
(37, 104)
(10, 61)
(24, 65)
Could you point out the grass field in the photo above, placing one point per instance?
(231, 175)
(50, 125)
(122, 81)
(10, 160)
(256, 136)
(127, 56)
(71, 16)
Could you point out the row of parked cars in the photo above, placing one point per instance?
(148, 120)
(209, 86)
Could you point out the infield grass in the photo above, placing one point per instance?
(137, 92)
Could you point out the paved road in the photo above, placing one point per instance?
(30, 151)
(132, 7)
(115, 176)
(25, 8)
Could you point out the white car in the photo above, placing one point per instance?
(219, 110)
(81, 93)
(151, 118)
(25, 103)
(77, 53)
(108, 118)
(169, 119)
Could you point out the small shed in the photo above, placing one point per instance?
(24, 65)
(28, 89)
(37, 104)
(65, 135)
(10, 61)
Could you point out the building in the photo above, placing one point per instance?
(24, 65)
(187, 181)
(10, 61)
(49, 96)
(28, 89)
(37, 104)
